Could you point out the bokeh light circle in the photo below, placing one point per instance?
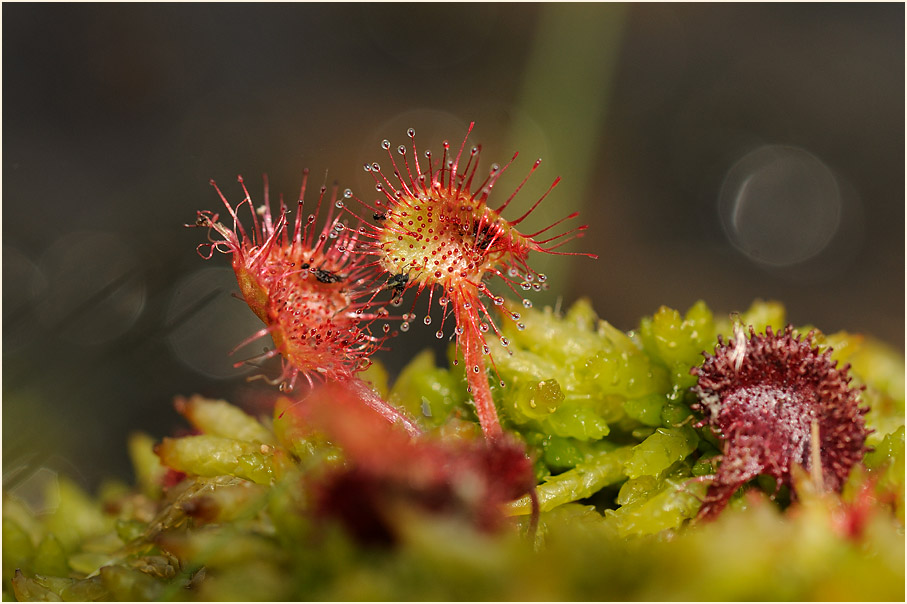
(780, 205)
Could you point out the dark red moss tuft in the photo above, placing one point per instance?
(762, 395)
(389, 472)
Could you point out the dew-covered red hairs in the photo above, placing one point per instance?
(769, 398)
(435, 231)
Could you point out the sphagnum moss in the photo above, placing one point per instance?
(237, 518)
(643, 479)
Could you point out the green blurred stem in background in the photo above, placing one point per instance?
(565, 95)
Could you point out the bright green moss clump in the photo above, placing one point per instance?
(228, 513)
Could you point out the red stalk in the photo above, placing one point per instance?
(472, 345)
(372, 400)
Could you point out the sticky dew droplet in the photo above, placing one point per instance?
(385, 144)
(527, 303)
(439, 334)
(404, 326)
(427, 320)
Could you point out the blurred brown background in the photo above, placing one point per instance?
(723, 152)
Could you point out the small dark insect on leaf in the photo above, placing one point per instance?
(398, 283)
(379, 216)
(484, 236)
(326, 276)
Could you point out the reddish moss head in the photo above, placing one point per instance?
(770, 398)
(305, 284)
(389, 473)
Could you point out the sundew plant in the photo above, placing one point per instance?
(550, 456)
